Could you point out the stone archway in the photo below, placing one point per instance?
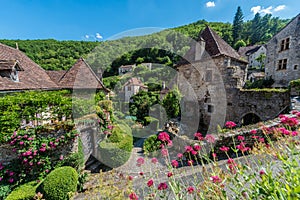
(250, 118)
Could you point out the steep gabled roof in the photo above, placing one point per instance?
(33, 77)
(81, 76)
(216, 46)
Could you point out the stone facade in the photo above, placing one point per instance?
(212, 89)
(283, 54)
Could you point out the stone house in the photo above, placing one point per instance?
(283, 54)
(251, 53)
(132, 87)
(211, 79)
(126, 68)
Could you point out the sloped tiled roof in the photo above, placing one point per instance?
(135, 81)
(33, 77)
(56, 75)
(214, 46)
(243, 50)
(80, 76)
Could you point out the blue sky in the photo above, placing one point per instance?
(101, 19)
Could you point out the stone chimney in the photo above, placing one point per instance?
(199, 49)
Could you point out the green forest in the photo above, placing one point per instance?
(165, 47)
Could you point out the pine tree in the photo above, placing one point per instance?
(237, 25)
(256, 29)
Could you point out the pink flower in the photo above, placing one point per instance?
(214, 155)
(230, 124)
(25, 136)
(179, 155)
(31, 163)
(261, 140)
(133, 196)
(150, 183)
(130, 178)
(1, 167)
(47, 170)
(43, 145)
(140, 161)
(194, 152)
(164, 152)
(216, 179)
(154, 160)
(241, 138)
(61, 157)
(110, 127)
(190, 189)
(190, 162)
(42, 149)
(199, 136)
(174, 163)
(210, 138)
(197, 147)
(25, 160)
(1, 178)
(30, 138)
(188, 149)
(11, 173)
(169, 174)
(262, 172)
(38, 163)
(162, 186)
(294, 112)
(253, 131)
(294, 133)
(224, 149)
(141, 173)
(11, 180)
(21, 143)
(163, 136)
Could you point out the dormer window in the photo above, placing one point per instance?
(10, 69)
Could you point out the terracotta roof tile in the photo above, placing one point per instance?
(32, 77)
(135, 81)
(80, 76)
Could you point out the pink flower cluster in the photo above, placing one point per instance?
(290, 121)
(165, 138)
(198, 136)
(230, 124)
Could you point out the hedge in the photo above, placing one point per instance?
(60, 184)
(23, 192)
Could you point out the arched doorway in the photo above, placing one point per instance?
(250, 118)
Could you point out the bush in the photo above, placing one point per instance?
(23, 192)
(151, 144)
(4, 191)
(112, 155)
(59, 184)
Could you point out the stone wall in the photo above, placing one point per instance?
(274, 54)
(265, 104)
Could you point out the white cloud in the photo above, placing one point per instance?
(210, 4)
(255, 9)
(279, 8)
(268, 10)
(87, 36)
(98, 36)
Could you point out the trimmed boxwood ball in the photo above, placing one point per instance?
(59, 184)
(23, 192)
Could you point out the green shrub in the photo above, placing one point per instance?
(151, 144)
(117, 134)
(59, 184)
(23, 192)
(4, 191)
(112, 155)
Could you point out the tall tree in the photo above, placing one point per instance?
(237, 25)
(256, 29)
